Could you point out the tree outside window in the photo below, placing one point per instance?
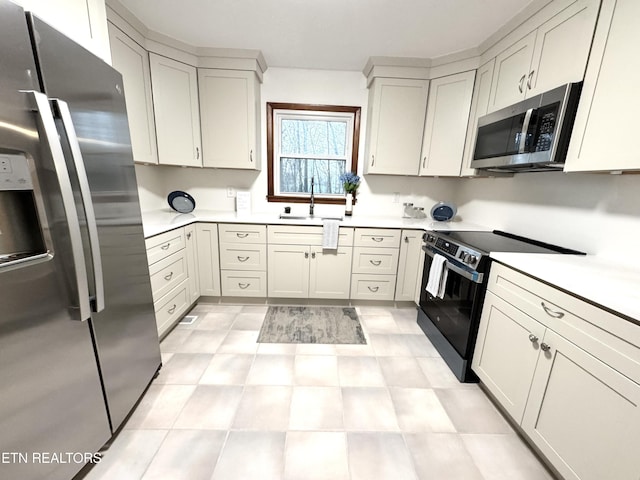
(310, 141)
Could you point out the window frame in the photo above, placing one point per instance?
(355, 145)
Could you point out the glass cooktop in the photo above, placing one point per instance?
(497, 241)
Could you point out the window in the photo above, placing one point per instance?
(310, 141)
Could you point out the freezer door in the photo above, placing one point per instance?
(125, 331)
(51, 398)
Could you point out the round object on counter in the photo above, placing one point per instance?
(181, 201)
(443, 211)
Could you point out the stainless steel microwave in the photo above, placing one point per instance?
(532, 135)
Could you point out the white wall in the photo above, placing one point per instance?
(595, 213)
(376, 193)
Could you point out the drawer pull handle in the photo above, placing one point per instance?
(521, 83)
(168, 276)
(545, 347)
(550, 312)
(377, 239)
(243, 259)
(533, 338)
(375, 263)
(373, 289)
(242, 235)
(529, 79)
(244, 286)
(172, 309)
(166, 247)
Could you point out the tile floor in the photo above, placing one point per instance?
(227, 408)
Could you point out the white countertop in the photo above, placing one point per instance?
(160, 221)
(599, 280)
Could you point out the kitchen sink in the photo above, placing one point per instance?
(288, 216)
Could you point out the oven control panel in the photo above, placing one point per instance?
(461, 253)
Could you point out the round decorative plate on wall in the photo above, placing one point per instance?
(181, 201)
(443, 211)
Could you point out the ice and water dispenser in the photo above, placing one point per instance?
(20, 229)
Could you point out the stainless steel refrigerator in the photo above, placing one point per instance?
(78, 339)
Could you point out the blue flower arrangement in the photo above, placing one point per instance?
(350, 181)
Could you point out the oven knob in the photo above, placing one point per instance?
(472, 259)
(464, 256)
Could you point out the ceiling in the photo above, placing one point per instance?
(328, 34)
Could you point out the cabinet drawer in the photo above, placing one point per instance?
(372, 287)
(610, 338)
(167, 273)
(300, 235)
(377, 237)
(239, 233)
(383, 261)
(244, 284)
(170, 307)
(243, 257)
(165, 244)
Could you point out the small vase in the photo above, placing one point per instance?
(348, 208)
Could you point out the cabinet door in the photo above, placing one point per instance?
(84, 21)
(605, 123)
(132, 61)
(208, 259)
(510, 73)
(409, 266)
(583, 415)
(507, 338)
(228, 106)
(288, 271)
(479, 106)
(330, 272)
(192, 262)
(397, 109)
(562, 47)
(175, 101)
(446, 124)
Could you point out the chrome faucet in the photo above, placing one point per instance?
(311, 204)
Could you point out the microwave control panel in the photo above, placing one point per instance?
(545, 132)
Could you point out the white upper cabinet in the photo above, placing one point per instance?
(84, 21)
(604, 125)
(175, 102)
(446, 124)
(132, 61)
(229, 106)
(554, 54)
(397, 109)
(510, 74)
(479, 106)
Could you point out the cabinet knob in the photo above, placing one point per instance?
(313, 254)
(189, 236)
(306, 254)
(533, 338)
(373, 159)
(406, 239)
(530, 78)
(545, 347)
(550, 312)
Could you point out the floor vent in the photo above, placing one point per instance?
(188, 319)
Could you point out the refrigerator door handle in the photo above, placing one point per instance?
(85, 193)
(50, 134)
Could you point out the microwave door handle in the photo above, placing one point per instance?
(50, 134)
(525, 130)
(85, 193)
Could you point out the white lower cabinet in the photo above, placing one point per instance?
(171, 274)
(298, 266)
(208, 259)
(243, 260)
(191, 251)
(567, 372)
(410, 265)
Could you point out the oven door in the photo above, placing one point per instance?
(457, 314)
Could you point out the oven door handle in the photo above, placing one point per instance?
(475, 277)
